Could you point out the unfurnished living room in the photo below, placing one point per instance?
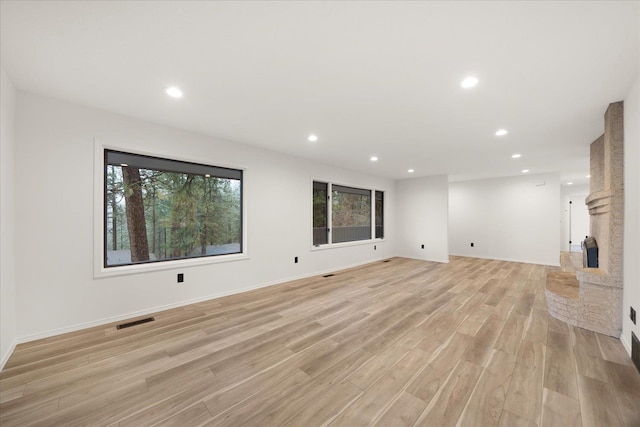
(319, 213)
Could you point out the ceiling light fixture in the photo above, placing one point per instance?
(569, 183)
(373, 159)
(312, 138)
(469, 82)
(516, 156)
(525, 170)
(501, 132)
(411, 171)
(174, 92)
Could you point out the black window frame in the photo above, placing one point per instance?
(379, 229)
(143, 161)
(376, 231)
(320, 210)
(350, 233)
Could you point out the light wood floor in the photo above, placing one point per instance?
(395, 343)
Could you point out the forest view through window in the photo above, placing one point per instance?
(349, 211)
(160, 209)
(351, 214)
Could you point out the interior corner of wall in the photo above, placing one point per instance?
(5, 357)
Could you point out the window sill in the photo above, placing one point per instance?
(347, 244)
(124, 270)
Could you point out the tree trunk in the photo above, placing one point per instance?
(114, 224)
(154, 221)
(111, 195)
(136, 224)
(204, 218)
(203, 240)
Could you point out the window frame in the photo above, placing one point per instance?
(375, 214)
(320, 186)
(100, 269)
(330, 244)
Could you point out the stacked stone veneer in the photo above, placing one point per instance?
(590, 305)
(598, 306)
(563, 296)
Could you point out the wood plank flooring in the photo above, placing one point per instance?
(398, 343)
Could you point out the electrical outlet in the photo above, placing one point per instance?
(472, 244)
(180, 277)
(632, 315)
(374, 247)
(421, 246)
(295, 260)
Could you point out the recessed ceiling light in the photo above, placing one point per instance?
(411, 171)
(525, 170)
(373, 159)
(124, 165)
(501, 132)
(206, 175)
(313, 138)
(469, 82)
(174, 92)
(516, 156)
(588, 176)
(569, 183)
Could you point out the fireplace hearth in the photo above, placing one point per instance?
(598, 303)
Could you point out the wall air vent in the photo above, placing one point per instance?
(135, 322)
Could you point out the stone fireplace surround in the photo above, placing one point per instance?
(592, 298)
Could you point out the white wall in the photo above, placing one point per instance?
(7, 271)
(56, 289)
(570, 193)
(631, 296)
(511, 219)
(422, 217)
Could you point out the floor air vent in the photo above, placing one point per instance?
(635, 350)
(136, 322)
(328, 275)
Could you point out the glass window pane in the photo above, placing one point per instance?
(160, 209)
(320, 208)
(351, 214)
(379, 214)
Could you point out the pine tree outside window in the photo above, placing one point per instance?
(160, 209)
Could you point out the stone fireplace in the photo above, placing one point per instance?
(596, 300)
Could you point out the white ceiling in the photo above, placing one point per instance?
(369, 78)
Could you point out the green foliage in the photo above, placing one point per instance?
(350, 210)
(184, 213)
(319, 208)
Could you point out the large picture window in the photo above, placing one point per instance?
(346, 214)
(159, 209)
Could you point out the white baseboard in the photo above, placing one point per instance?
(523, 261)
(626, 344)
(7, 355)
(151, 310)
(442, 261)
